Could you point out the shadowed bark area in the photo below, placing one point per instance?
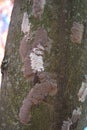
(66, 59)
(70, 69)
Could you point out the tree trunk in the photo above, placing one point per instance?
(67, 59)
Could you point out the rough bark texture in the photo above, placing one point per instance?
(67, 59)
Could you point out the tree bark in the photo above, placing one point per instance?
(66, 59)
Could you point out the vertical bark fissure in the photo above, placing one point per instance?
(62, 106)
(62, 65)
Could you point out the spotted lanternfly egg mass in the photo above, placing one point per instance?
(38, 8)
(82, 92)
(35, 96)
(25, 26)
(24, 47)
(36, 61)
(77, 32)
